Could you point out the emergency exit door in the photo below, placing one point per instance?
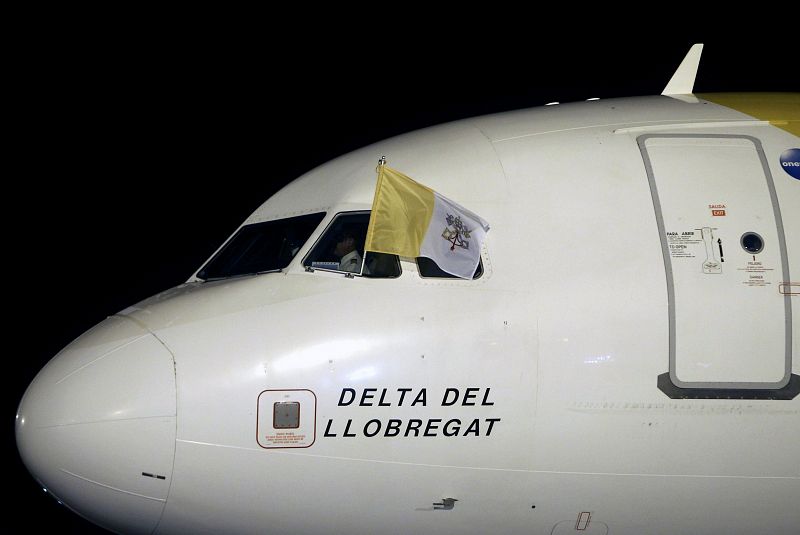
(725, 257)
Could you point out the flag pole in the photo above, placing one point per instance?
(381, 163)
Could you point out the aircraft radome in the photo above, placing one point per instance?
(624, 361)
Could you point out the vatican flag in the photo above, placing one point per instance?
(411, 220)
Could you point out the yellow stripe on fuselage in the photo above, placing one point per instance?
(780, 109)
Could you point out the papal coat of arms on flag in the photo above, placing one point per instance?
(456, 233)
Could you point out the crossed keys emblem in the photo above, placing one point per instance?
(456, 232)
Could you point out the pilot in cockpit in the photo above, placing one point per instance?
(341, 248)
(348, 243)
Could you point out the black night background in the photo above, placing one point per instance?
(136, 148)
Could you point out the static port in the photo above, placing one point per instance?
(752, 242)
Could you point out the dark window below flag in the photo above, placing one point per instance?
(429, 270)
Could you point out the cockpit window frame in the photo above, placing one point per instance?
(324, 235)
(321, 215)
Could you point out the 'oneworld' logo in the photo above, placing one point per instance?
(790, 161)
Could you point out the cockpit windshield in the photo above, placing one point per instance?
(261, 247)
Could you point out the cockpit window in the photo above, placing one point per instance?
(261, 247)
(341, 248)
(429, 269)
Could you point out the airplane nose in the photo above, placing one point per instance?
(96, 427)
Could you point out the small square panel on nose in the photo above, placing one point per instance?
(286, 415)
(286, 418)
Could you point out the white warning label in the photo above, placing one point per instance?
(684, 244)
(756, 274)
(283, 438)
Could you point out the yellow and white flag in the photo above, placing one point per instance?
(411, 220)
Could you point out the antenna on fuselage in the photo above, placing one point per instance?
(682, 82)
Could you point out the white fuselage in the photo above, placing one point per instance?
(530, 395)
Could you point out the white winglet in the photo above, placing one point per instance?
(682, 82)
